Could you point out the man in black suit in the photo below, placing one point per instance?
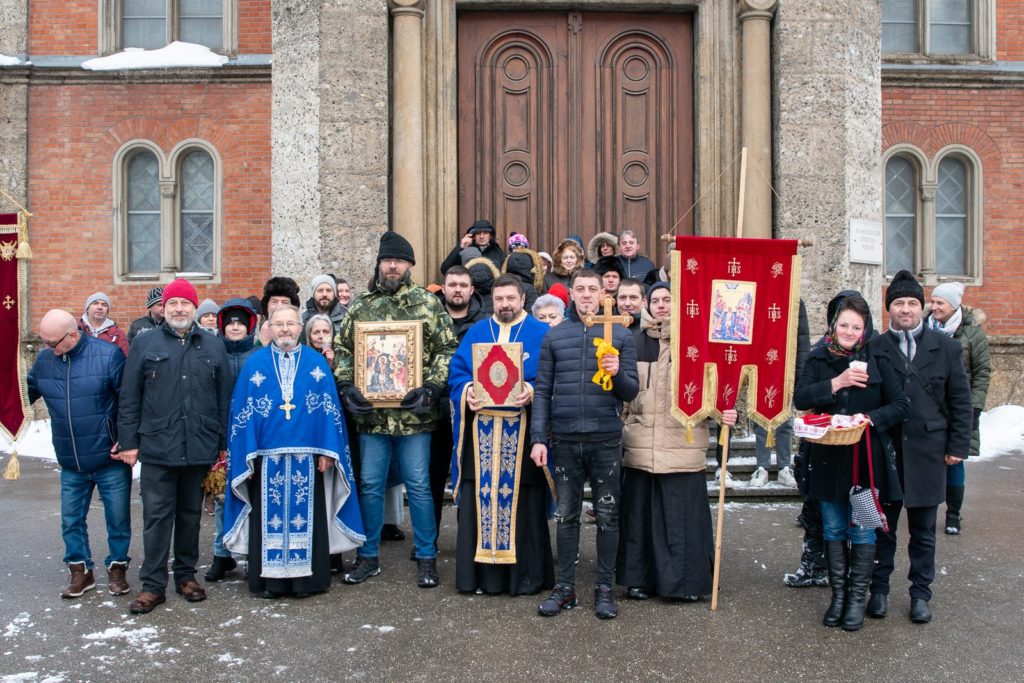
(936, 434)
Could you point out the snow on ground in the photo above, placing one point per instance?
(1002, 431)
(9, 61)
(177, 54)
(141, 638)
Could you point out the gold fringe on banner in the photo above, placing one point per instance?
(24, 250)
(13, 470)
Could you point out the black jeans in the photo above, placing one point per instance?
(921, 525)
(172, 503)
(575, 462)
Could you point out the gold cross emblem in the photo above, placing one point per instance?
(287, 407)
(9, 302)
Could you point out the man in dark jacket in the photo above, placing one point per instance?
(173, 417)
(154, 314)
(634, 265)
(479, 240)
(583, 421)
(936, 434)
(78, 376)
(324, 299)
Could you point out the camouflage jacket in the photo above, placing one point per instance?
(411, 302)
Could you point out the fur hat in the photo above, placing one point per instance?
(904, 284)
(155, 296)
(607, 264)
(393, 245)
(953, 292)
(594, 246)
(279, 286)
(181, 289)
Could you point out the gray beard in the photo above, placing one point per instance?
(392, 286)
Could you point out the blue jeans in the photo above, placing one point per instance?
(956, 475)
(413, 454)
(835, 518)
(783, 445)
(114, 482)
(218, 519)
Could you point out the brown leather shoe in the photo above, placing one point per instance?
(117, 584)
(81, 581)
(191, 591)
(145, 602)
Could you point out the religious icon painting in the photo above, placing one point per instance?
(497, 373)
(732, 312)
(388, 360)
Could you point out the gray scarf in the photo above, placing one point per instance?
(949, 327)
(908, 338)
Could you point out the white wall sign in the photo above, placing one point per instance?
(866, 241)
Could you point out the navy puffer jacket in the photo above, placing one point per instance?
(566, 401)
(80, 390)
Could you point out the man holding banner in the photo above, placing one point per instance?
(577, 404)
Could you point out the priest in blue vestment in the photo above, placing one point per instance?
(503, 498)
(293, 499)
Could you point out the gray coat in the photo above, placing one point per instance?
(926, 436)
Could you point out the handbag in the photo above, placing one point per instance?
(865, 508)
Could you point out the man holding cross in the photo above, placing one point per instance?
(577, 410)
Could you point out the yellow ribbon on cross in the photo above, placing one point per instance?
(602, 378)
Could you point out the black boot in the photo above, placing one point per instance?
(220, 567)
(954, 501)
(835, 558)
(862, 564)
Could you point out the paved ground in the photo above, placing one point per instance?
(387, 629)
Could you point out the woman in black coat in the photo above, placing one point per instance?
(829, 385)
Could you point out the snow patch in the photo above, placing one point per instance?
(17, 624)
(381, 629)
(32, 677)
(1002, 432)
(229, 659)
(9, 61)
(141, 637)
(231, 622)
(177, 54)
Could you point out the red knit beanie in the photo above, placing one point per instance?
(559, 290)
(181, 289)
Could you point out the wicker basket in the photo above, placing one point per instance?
(841, 436)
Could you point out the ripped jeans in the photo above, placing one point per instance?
(575, 462)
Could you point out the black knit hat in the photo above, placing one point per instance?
(606, 264)
(279, 286)
(393, 245)
(481, 225)
(903, 284)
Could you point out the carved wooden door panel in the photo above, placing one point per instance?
(575, 123)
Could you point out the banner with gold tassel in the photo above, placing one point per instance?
(13, 391)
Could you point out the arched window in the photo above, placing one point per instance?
(167, 211)
(901, 213)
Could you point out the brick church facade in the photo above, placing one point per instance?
(294, 155)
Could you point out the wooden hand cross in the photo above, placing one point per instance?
(608, 319)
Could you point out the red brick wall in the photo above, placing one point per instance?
(75, 134)
(1010, 30)
(71, 27)
(989, 122)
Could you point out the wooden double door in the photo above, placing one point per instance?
(575, 123)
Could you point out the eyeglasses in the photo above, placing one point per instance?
(55, 344)
(392, 261)
(289, 325)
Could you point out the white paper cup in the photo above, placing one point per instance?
(859, 365)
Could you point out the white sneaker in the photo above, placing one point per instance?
(759, 478)
(786, 478)
(729, 483)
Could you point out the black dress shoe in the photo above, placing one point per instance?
(392, 532)
(919, 612)
(878, 605)
(637, 593)
(271, 595)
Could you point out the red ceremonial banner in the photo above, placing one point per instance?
(735, 304)
(13, 392)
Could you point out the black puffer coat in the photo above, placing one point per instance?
(565, 398)
(175, 397)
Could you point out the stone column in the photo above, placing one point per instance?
(926, 246)
(407, 169)
(756, 20)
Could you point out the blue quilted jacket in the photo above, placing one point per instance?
(80, 390)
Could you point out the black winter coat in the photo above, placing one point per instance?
(175, 397)
(565, 398)
(830, 468)
(926, 437)
(80, 390)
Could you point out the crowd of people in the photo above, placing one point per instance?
(262, 404)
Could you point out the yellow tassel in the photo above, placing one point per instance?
(770, 440)
(24, 250)
(689, 433)
(13, 468)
